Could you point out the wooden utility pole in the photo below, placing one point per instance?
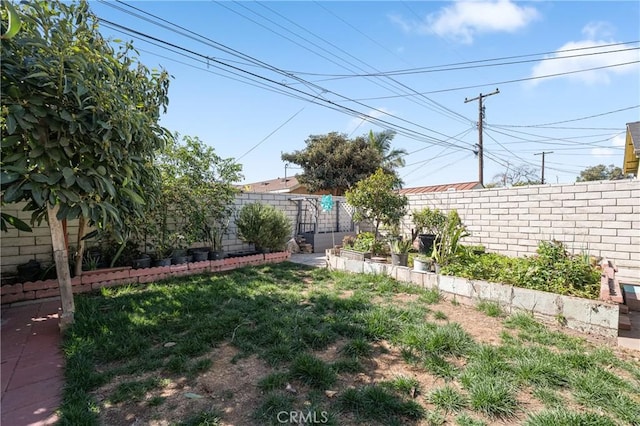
(480, 121)
(543, 153)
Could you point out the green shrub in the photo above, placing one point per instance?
(263, 225)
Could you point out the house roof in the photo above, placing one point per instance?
(632, 148)
(281, 185)
(464, 186)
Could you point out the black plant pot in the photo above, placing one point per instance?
(177, 260)
(163, 262)
(200, 255)
(426, 242)
(143, 262)
(29, 271)
(216, 255)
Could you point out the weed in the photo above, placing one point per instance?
(448, 399)
(455, 302)
(358, 347)
(273, 381)
(403, 385)
(549, 397)
(156, 401)
(435, 418)
(204, 418)
(440, 367)
(439, 315)
(133, 391)
(494, 397)
(273, 403)
(347, 365)
(430, 297)
(562, 417)
(466, 420)
(492, 309)
(379, 404)
(312, 371)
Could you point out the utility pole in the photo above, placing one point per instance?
(543, 153)
(480, 121)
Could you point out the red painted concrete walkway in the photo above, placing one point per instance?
(32, 364)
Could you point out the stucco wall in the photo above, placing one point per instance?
(602, 218)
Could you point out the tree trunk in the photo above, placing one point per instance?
(80, 253)
(62, 267)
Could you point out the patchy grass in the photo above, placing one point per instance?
(141, 348)
(492, 309)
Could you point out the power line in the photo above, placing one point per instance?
(571, 120)
(442, 68)
(498, 83)
(400, 129)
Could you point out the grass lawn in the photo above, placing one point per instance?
(287, 344)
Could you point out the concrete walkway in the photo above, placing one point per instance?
(310, 259)
(32, 363)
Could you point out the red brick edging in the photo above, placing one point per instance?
(93, 280)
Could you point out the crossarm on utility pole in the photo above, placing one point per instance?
(479, 98)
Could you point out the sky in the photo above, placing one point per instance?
(255, 79)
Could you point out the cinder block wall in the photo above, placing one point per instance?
(602, 218)
(17, 247)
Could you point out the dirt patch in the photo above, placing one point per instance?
(229, 386)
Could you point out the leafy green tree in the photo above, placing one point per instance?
(602, 172)
(376, 200)
(197, 188)
(79, 124)
(333, 162)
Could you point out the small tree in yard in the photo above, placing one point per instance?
(375, 200)
(79, 126)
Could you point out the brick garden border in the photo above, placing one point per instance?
(111, 277)
(585, 315)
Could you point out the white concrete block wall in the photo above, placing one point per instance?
(17, 247)
(602, 218)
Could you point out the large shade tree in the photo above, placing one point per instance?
(333, 162)
(79, 124)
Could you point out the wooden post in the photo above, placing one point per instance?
(62, 267)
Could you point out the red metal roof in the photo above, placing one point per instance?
(464, 186)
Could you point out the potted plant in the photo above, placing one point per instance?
(214, 234)
(422, 263)
(179, 253)
(447, 246)
(359, 248)
(400, 251)
(428, 225)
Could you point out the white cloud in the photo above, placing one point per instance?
(594, 30)
(619, 140)
(594, 59)
(465, 19)
(602, 152)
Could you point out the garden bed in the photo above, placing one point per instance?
(585, 315)
(110, 277)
